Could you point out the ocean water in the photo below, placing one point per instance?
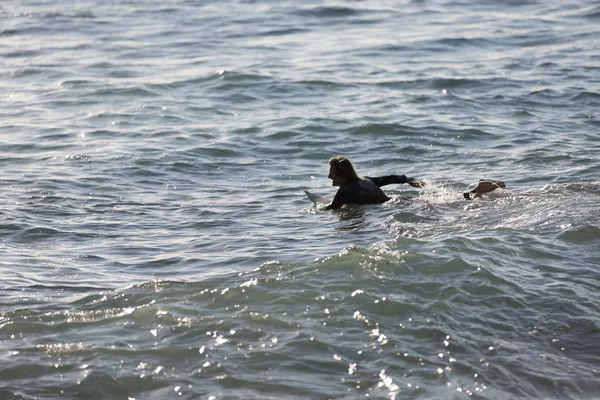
(156, 242)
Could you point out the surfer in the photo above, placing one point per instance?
(356, 190)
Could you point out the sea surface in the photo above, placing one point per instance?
(156, 241)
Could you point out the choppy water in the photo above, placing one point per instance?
(155, 239)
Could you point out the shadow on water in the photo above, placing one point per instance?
(351, 219)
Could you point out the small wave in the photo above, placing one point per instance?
(590, 13)
(27, 72)
(371, 128)
(328, 12)
(283, 135)
(323, 83)
(12, 228)
(77, 83)
(545, 93)
(454, 83)
(219, 81)
(37, 234)
(437, 83)
(22, 54)
(57, 137)
(283, 32)
(463, 42)
(123, 73)
(577, 187)
(548, 65)
(583, 187)
(10, 32)
(234, 76)
(128, 92)
(535, 41)
(66, 289)
(586, 95)
(451, 266)
(220, 152)
(581, 235)
(524, 114)
(103, 65)
(191, 82)
(68, 16)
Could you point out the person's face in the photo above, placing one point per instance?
(336, 179)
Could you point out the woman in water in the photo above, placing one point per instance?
(355, 190)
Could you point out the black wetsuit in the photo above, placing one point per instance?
(364, 191)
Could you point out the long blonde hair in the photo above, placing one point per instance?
(343, 167)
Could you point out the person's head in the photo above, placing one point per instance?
(341, 170)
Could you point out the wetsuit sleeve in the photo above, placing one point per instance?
(338, 201)
(388, 180)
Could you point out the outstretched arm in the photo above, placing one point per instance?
(391, 179)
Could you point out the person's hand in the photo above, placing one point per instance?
(415, 182)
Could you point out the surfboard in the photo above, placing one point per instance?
(317, 200)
